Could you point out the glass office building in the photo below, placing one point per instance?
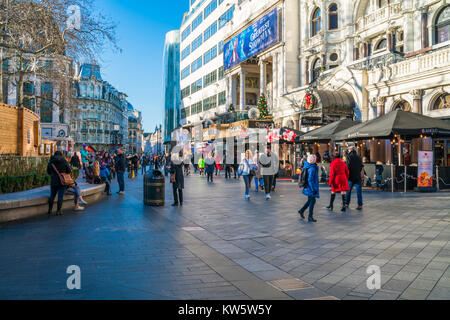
(172, 90)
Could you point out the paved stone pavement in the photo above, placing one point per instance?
(219, 246)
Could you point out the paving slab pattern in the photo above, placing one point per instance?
(220, 246)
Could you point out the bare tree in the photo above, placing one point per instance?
(40, 39)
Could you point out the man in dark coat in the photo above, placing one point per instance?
(59, 163)
(355, 167)
(121, 167)
(177, 180)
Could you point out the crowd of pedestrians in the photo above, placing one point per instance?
(260, 168)
(94, 168)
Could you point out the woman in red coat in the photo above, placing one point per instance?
(338, 180)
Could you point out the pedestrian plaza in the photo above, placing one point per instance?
(220, 246)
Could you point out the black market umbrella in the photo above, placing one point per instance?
(326, 133)
(398, 122)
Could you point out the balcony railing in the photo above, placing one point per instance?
(413, 66)
(379, 16)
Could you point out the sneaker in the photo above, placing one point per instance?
(121, 193)
(83, 202)
(359, 208)
(79, 209)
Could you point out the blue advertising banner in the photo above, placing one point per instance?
(259, 36)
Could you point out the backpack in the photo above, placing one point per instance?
(303, 179)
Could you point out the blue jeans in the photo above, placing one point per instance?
(76, 193)
(259, 183)
(309, 204)
(121, 181)
(61, 191)
(248, 182)
(358, 192)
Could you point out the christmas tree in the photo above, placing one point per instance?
(262, 107)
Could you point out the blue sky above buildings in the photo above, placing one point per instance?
(137, 70)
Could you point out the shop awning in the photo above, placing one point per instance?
(323, 107)
(325, 133)
(402, 123)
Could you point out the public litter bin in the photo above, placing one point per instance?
(154, 189)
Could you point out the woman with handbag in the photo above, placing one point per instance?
(60, 179)
(247, 170)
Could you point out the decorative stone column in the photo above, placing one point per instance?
(233, 90)
(417, 100)
(263, 76)
(242, 92)
(307, 72)
(365, 97)
(380, 103)
(424, 23)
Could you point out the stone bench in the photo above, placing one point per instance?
(33, 203)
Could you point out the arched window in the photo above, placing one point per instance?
(316, 24)
(381, 44)
(316, 68)
(333, 21)
(382, 3)
(402, 105)
(442, 102)
(442, 27)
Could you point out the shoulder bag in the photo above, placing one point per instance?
(65, 178)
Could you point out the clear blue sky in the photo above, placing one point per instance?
(137, 70)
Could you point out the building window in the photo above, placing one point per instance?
(185, 72)
(333, 18)
(196, 86)
(210, 8)
(197, 21)
(186, 52)
(334, 57)
(227, 16)
(316, 22)
(402, 105)
(221, 45)
(197, 42)
(211, 30)
(210, 103)
(221, 73)
(209, 55)
(442, 102)
(196, 108)
(442, 27)
(210, 78)
(382, 3)
(381, 44)
(197, 64)
(222, 98)
(46, 102)
(316, 68)
(185, 92)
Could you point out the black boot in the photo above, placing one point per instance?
(331, 206)
(58, 210)
(50, 207)
(344, 207)
(302, 213)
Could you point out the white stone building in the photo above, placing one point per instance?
(99, 117)
(357, 59)
(203, 86)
